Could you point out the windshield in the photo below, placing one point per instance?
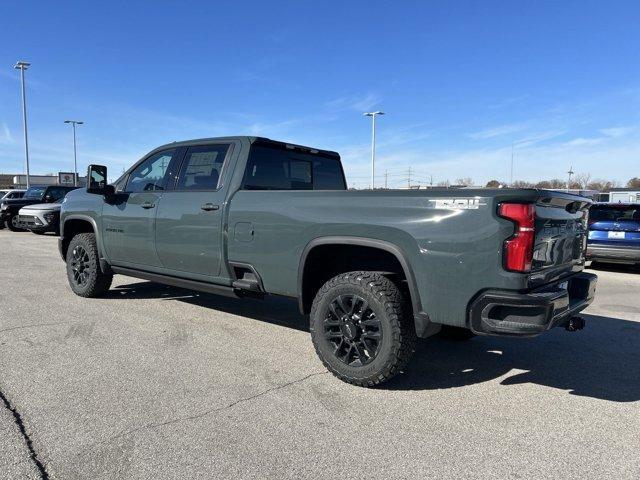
(35, 193)
(614, 213)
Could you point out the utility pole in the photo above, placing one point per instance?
(570, 172)
(22, 66)
(373, 145)
(409, 179)
(386, 176)
(75, 155)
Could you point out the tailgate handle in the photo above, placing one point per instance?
(207, 207)
(148, 205)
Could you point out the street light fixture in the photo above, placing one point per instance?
(373, 145)
(22, 66)
(75, 157)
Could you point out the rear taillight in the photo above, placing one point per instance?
(518, 249)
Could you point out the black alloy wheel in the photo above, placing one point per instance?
(353, 329)
(80, 266)
(84, 271)
(362, 328)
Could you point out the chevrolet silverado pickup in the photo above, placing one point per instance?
(373, 269)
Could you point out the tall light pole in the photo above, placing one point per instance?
(75, 156)
(373, 145)
(570, 172)
(22, 66)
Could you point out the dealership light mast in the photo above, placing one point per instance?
(373, 145)
(75, 156)
(22, 66)
(570, 172)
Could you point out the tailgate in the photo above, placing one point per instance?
(560, 236)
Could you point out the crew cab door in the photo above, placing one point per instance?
(190, 214)
(129, 219)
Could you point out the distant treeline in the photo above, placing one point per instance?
(580, 181)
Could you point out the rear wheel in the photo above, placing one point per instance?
(14, 224)
(361, 328)
(83, 267)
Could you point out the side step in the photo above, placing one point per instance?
(177, 282)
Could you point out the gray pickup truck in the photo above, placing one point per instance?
(247, 216)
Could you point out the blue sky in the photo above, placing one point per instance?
(461, 82)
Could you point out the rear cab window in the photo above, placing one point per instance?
(277, 167)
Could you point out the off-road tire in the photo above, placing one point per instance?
(85, 276)
(391, 311)
(11, 225)
(456, 334)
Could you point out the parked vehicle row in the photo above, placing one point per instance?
(36, 209)
(614, 233)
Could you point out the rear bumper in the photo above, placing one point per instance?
(499, 312)
(608, 252)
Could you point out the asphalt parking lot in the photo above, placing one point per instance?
(158, 382)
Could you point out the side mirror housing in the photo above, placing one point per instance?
(97, 180)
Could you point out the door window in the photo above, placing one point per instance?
(151, 174)
(202, 167)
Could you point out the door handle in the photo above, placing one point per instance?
(148, 205)
(207, 207)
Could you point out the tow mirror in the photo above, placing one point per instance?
(97, 180)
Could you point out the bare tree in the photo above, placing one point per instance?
(602, 185)
(522, 184)
(582, 179)
(466, 181)
(634, 183)
(493, 184)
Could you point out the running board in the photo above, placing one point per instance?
(178, 282)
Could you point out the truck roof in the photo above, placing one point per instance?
(250, 139)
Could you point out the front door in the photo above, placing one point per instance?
(189, 218)
(128, 222)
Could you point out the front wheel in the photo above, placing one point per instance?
(361, 329)
(14, 223)
(85, 276)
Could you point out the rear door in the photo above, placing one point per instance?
(190, 214)
(615, 225)
(128, 222)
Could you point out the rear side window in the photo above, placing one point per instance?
(614, 213)
(202, 167)
(279, 169)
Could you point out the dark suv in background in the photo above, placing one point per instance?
(614, 233)
(9, 209)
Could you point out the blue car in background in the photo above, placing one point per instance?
(614, 233)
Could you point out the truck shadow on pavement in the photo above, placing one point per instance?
(602, 361)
